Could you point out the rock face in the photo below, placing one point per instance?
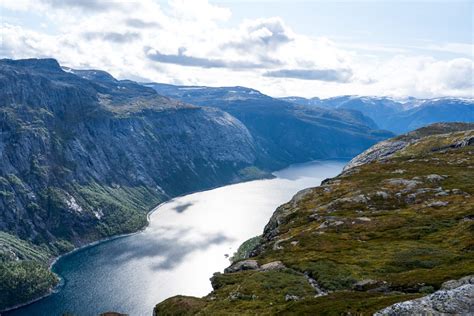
(455, 298)
(85, 156)
(284, 132)
(68, 140)
(242, 265)
(389, 231)
(388, 148)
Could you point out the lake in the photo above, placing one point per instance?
(188, 239)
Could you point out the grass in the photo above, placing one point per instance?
(24, 272)
(347, 231)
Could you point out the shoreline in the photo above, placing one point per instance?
(54, 260)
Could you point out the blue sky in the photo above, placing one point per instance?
(388, 22)
(320, 48)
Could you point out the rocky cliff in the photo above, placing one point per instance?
(284, 132)
(85, 156)
(389, 229)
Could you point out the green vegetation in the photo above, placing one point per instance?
(244, 250)
(252, 173)
(21, 281)
(24, 266)
(380, 233)
(121, 209)
(24, 273)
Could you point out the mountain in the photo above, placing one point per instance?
(399, 116)
(432, 111)
(284, 132)
(394, 226)
(85, 156)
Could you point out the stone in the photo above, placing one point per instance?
(450, 300)
(367, 284)
(437, 204)
(434, 178)
(242, 265)
(452, 284)
(290, 297)
(272, 266)
(382, 194)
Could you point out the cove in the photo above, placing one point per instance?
(187, 240)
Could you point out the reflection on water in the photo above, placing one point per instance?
(187, 240)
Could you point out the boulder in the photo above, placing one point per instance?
(271, 266)
(455, 298)
(242, 265)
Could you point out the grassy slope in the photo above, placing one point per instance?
(24, 273)
(344, 231)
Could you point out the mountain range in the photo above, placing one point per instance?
(85, 156)
(399, 116)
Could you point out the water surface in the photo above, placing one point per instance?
(187, 241)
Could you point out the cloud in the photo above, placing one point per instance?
(342, 75)
(185, 60)
(137, 23)
(112, 36)
(193, 43)
(266, 34)
(86, 5)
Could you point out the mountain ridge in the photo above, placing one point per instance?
(85, 156)
(399, 115)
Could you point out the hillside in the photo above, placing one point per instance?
(284, 132)
(388, 229)
(85, 156)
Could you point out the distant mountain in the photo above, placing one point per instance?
(396, 115)
(432, 111)
(284, 132)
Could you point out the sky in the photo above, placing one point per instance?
(318, 48)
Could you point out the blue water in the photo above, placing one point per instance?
(189, 238)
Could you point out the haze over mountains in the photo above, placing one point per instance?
(402, 115)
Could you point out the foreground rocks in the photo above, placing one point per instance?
(455, 298)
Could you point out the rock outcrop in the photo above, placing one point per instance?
(388, 148)
(455, 297)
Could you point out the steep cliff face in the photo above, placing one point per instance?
(84, 156)
(62, 135)
(286, 133)
(386, 230)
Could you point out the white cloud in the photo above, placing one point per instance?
(186, 43)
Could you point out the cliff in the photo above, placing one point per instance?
(85, 156)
